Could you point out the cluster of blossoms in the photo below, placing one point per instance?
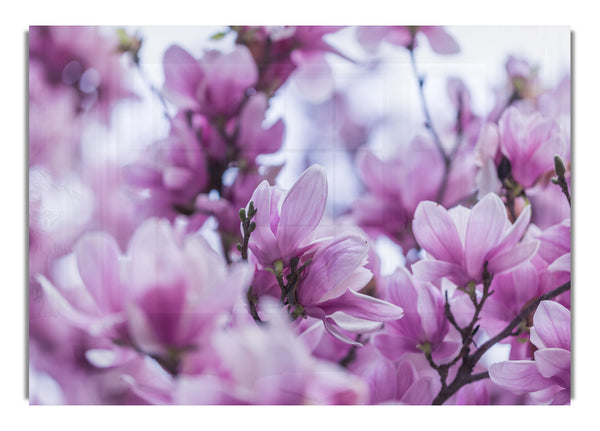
(189, 275)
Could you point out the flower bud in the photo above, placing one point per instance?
(559, 166)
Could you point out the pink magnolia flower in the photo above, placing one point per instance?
(296, 52)
(439, 39)
(460, 241)
(551, 367)
(512, 290)
(389, 205)
(215, 86)
(266, 365)
(94, 76)
(530, 142)
(395, 382)
(521, 89)
(285, 221)
(172, 175)
(166, 293)
(424, 325)
(329, 290)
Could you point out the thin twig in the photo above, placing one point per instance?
(428, 122)
(465, 375)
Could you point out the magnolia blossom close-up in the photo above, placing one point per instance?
(299, 215)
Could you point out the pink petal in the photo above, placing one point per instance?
(485, 228)
(510, 122)
(399, 35)
(487, 144)
(371, 171)
(176, 178)
(513, 235)
(302, 208)
(445, 351)
(382, 379)
(362, 306)
(98, 263)
(263, 238)
(436, 233)
(421, 392)
(371, 36)
(511, 258)
(405, 377)
(331, 265)
(393, 347)
(562, 398)
(398, 288)
(440, 40)
(429, 307)
(62, 307)
(183, 75)
(551, 326)
(554, 362)
(518, 376)
(562, 264)
(433, 270)
(270, 140)
(313, 77)
(334, 329)
(228, 78)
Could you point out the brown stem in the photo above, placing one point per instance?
(465, 374)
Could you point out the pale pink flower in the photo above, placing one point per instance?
(551, 367)
(439, 39)
(94, 76)
(173, 173)
(459, 242)
(424, 322)
(329, 290)
(396, 186)
(285, 221)
(164, 294)
(214, 86)
(529, 142)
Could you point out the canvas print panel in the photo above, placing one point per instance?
(299, 215)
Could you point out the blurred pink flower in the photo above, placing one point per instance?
(172, 174)
(530, 142)
(214, 86)
(396, 186)
(159, 296)
(439, 39)
(84, 60)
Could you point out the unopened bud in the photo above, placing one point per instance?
(559, 166)
(251, 227)
(242, 214)
(251, 209)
